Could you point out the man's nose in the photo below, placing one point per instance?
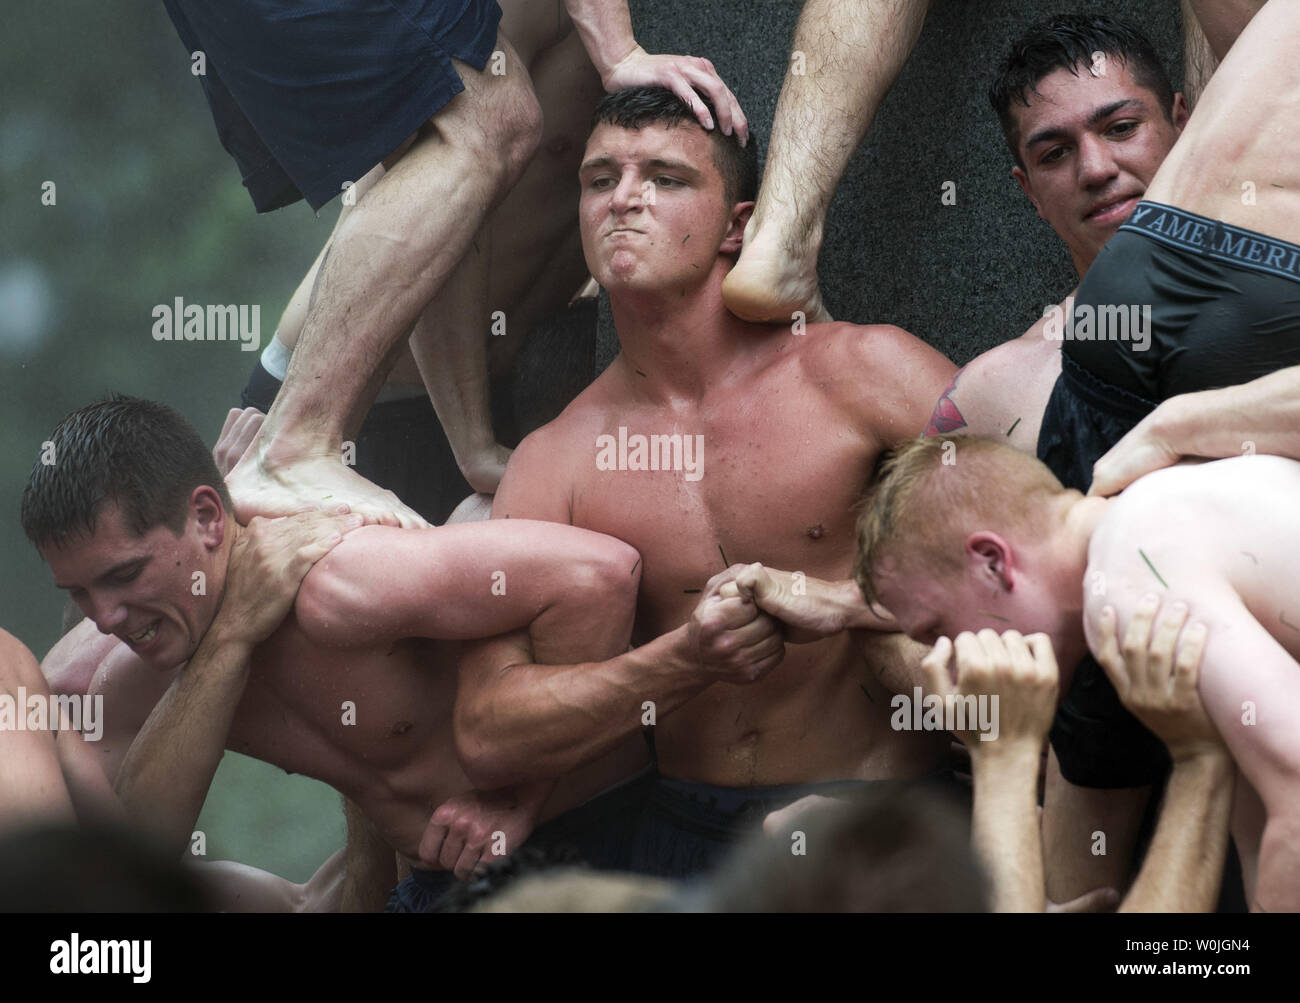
(629, 195)
(107, 612)
(1096, 162)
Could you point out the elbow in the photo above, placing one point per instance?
(610, 572)
(485, 754)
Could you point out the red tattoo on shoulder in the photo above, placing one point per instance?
(946, 416)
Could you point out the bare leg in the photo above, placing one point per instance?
(389, 256)
(846, 56)
(524, 262)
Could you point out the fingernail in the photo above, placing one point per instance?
(1150, 599)
(1108, 613)
(708, 121)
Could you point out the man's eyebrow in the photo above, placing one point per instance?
(116, 569)
(658, 163)
(1099, 115)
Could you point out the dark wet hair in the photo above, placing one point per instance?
(1068, 41)
(637, 107)
(142, 456)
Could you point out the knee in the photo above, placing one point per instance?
(519, 131)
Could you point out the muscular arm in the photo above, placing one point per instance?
(538, 702)
(1184, 864)
(169, 767)
(31, 784)
(1223, 20)
(1089, 835)
(1250, 686)
(1262, 416)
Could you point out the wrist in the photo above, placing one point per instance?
(613, 56)
(1006, 754)
(229, 635)
(1202, 755)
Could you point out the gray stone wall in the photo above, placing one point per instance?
(964, 277)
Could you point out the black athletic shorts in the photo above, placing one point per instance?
(310, 94)
(1222, 308)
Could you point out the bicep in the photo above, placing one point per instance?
(1250, 686)
(461, 582)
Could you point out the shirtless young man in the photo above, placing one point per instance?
(342, 683)
(778, 431)
(1087, 134)
(993, 541)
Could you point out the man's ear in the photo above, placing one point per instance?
(991, 555)
(1022, 179)
(735, 237)
(1179, 113)
(210, 514)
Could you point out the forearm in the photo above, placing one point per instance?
(1262, 416)
(169, 767)
(1184, 864)
(605, 27)
(1089, 835)
(846, 597)
(1004, 827)
(1223, 20)
(1277, 889)
(532, 722)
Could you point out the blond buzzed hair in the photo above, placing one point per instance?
(929, 495)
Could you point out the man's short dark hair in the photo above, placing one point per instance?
(637, 107)
(142, 456)
(1068, 41)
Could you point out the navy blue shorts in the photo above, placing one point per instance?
(688, 829)
(310, 94)
(598, 833)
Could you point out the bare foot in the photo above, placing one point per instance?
(314, 483)
(769, 284)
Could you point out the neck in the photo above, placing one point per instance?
(1076, 520)
(678, 342)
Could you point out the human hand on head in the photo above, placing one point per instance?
(730, 638)
(687, 77)
(1016, 675)
(267, 565)
(1155, 674)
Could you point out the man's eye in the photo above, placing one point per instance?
(666, 182)
(1053, 155)
(601, 183)
(1123, 128)
(123, 577)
